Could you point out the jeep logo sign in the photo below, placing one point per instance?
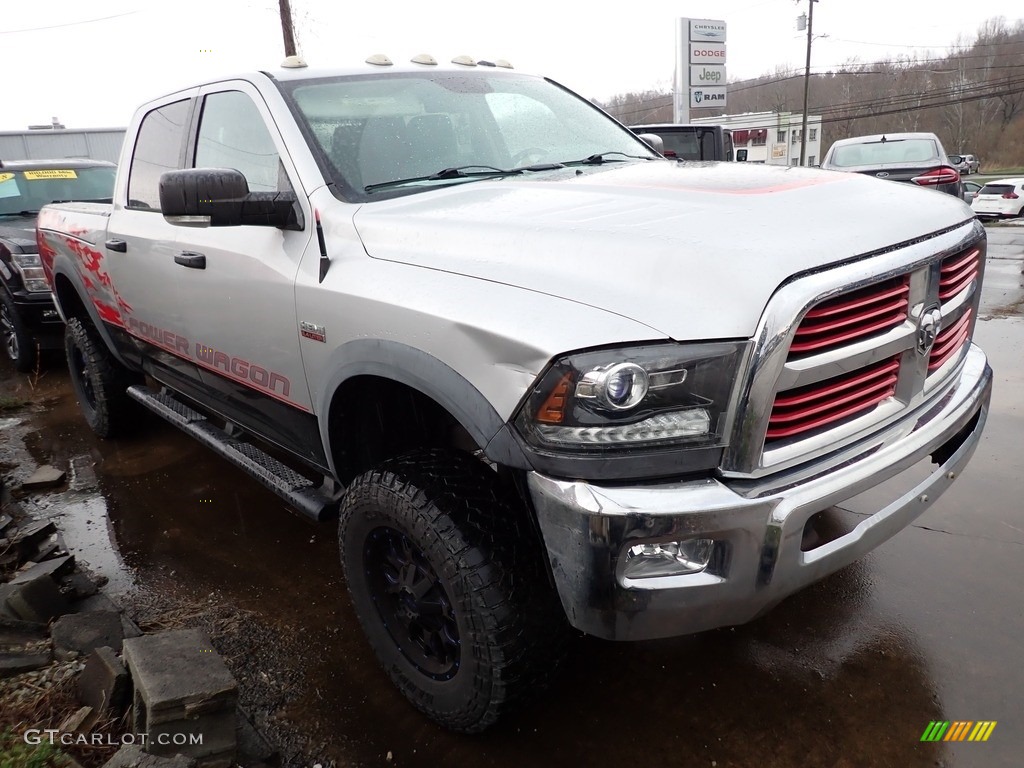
(707, 74)
(707, 53)
(707, 31)
(712, 96)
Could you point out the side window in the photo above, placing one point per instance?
(157, 150)
(232, 134)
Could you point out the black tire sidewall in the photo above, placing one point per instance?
(104, 375)
(26, 358)
(446, 700)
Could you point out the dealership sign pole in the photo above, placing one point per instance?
(700, 67)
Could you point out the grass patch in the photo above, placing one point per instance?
(10, 403)
(15, 753)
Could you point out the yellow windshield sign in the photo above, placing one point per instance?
(6, 177)
(50, 173)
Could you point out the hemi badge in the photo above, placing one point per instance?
(314, 332)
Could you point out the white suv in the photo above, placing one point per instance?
(1002, 199)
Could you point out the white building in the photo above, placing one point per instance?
(770, 137)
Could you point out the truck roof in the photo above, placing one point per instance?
(67, 162)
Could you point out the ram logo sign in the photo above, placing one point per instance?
(711, 96)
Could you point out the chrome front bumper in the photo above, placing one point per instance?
(758, 527)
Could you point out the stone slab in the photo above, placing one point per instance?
(82, 633)
(132, 756)
(45, 476)
(81, 721)
(54, 568)
(14, 663)
(30, 534)
(17, 632)
(104, 684)
(38, 600)
(178, 674)
(78, 586)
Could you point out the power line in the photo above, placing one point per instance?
(905, 99)
(69, 24)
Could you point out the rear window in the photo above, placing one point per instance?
(996, 189)
(885, 153)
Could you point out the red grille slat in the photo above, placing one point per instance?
(832, 400)
(835, 305)
(817, 391)
(851, 334)
(957, 275)
(852, 316)
(950, 341)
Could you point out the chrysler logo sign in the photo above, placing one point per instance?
(928, 327)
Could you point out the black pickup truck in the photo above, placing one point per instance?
(691, 142)
(28, 319)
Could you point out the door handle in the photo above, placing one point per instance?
(117, 245)
(191, 259)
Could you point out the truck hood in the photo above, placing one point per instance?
(18, 233)
(692, 250)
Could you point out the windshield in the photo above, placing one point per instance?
(906, 151)
(29, 190)
(381, 128)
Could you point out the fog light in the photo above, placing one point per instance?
(51, 314)
(668, 558)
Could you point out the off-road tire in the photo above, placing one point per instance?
(478, 542)
(100, 382)
(18, 344)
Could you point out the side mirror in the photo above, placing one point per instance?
(220, 197)
(741, 155)
(653, 141)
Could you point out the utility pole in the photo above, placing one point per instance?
(289, 31)
(807, 82)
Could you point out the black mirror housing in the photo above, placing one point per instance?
(220, 197)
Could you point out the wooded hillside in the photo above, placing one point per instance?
(972, 97)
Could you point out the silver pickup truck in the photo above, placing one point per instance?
(544, 376)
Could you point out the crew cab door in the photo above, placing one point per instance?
(240, 280)
(137, 259)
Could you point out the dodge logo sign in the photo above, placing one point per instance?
(928, 328)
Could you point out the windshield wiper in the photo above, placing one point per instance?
(602, 157)
(20, 213)
(445, 174)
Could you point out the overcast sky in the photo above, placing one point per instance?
(92, 63)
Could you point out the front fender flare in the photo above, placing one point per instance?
(429, 376)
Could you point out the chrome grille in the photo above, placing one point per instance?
(842, 353)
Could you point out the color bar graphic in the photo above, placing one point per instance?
(958, 730)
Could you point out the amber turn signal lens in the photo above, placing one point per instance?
(552, 410)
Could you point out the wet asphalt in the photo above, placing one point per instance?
(846, 673)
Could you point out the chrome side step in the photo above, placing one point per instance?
(298, 491)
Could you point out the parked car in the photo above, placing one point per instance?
(1001, 199)
(913, 158)
(28, 317)
(973, 163)
(960, 163)
(971, 189)
(542, 375)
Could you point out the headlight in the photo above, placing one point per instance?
(637, 398)
(31, 270)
